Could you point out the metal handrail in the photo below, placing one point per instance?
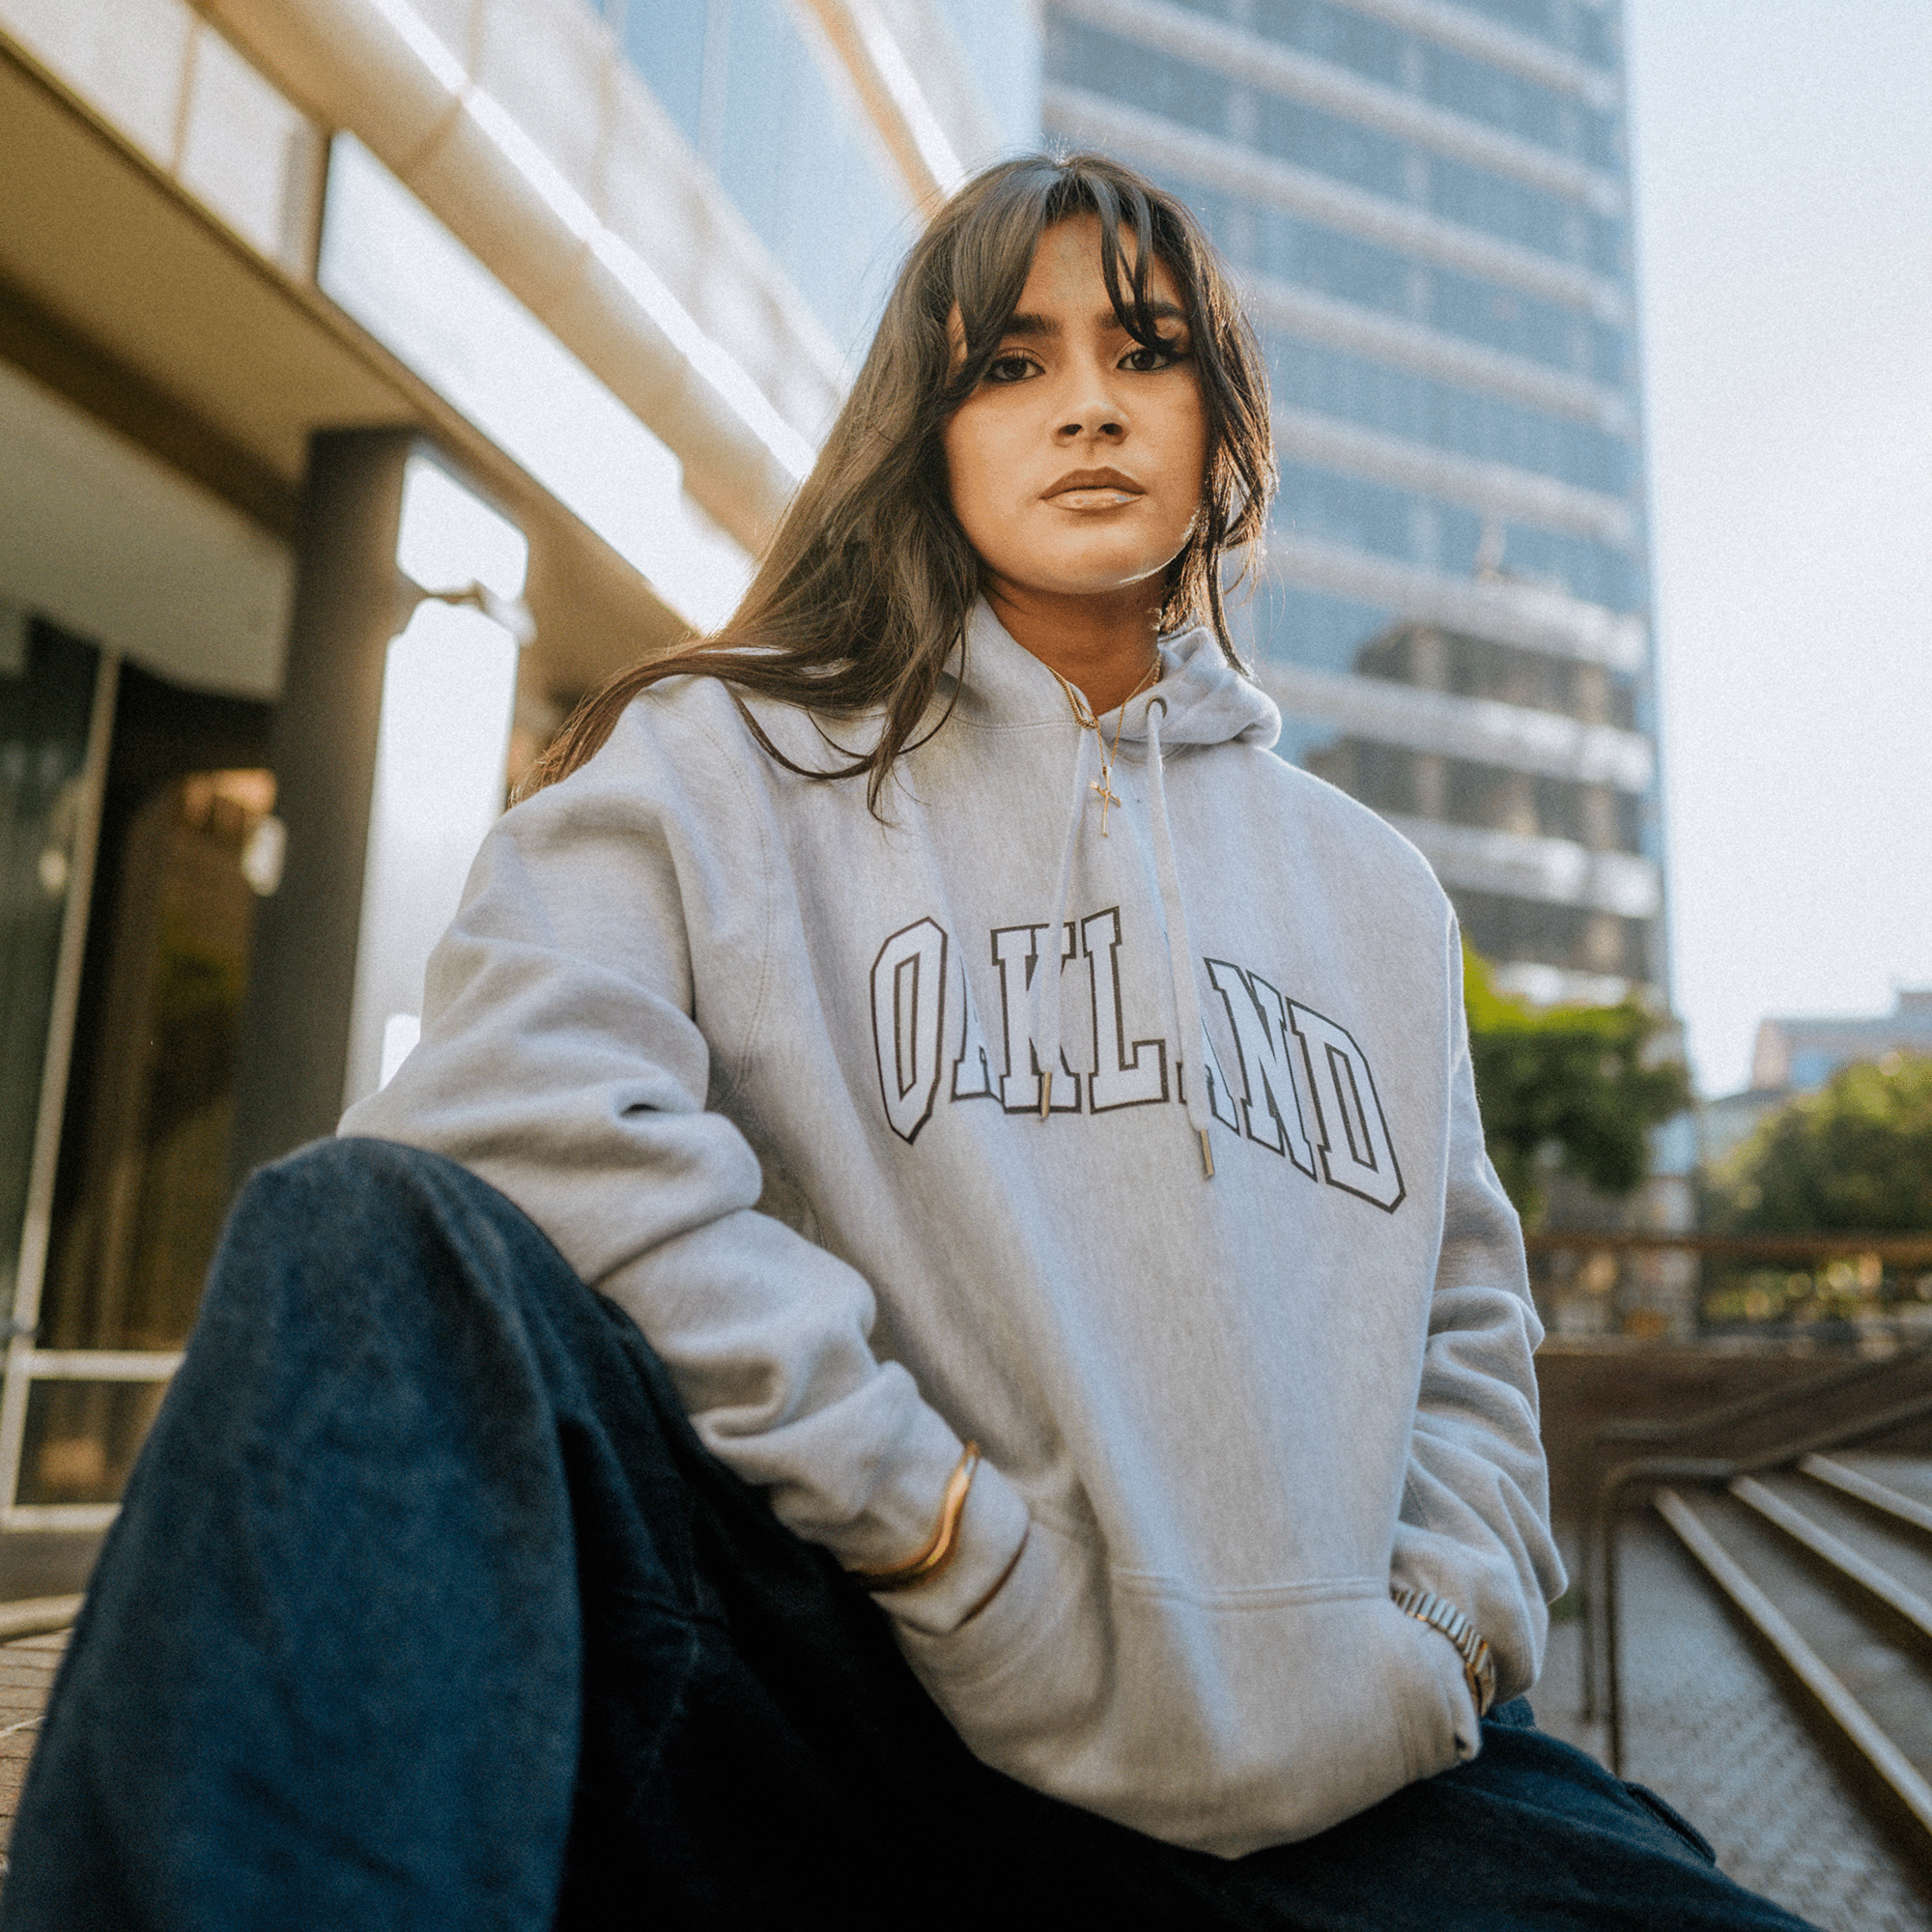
(1905, 1249)
(1706, 1469)
(1746, 1409)
(1686, 1429)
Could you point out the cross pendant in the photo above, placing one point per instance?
(1107, 798)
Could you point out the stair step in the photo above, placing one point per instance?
(1876, 1571)
(1885, 1482)
(36, 1616)
(1897, 1693)
(1896, 1542)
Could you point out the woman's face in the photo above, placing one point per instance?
(1075, 467)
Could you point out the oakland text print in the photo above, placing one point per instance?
(1301, 1085)
(1287, 1051)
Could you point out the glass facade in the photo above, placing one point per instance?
(789, 144)
(1362, 390)
(1409, 527)
(46, 705)
(1213, 102)
(817, 186)
(143, 1182)
(1431, 224)
(1375, 48)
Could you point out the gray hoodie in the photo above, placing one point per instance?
(769, 1074)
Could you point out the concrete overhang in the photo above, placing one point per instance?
(374, 67)
(121, 295)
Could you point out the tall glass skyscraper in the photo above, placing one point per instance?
(1428, 202)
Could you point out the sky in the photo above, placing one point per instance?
(1783, 175)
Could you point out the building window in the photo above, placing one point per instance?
(1368, 47)
(748, 93)
(665, 40)
(1574, 939)
(1328, 145)
(1153, 82)
(1521, 107)
(1410, 529)
(143, 1181)
(1399, 401)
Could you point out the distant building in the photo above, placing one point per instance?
(1799, 1054)
(1428, 202)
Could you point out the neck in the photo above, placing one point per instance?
(1102, 645)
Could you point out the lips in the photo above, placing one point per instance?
(1093, 490)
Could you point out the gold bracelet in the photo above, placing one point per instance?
(943, 1545)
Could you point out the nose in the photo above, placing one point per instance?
(1099, 413)
(1101, 420)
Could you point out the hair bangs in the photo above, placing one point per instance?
(989, 267)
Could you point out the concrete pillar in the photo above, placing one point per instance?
(388, 750)
(350, 601)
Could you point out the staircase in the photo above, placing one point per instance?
(1830, 1564)
(1809, 1512)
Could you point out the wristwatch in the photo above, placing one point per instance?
(1479, 1663)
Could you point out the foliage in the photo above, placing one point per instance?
(1576, 1082)
(1855, 1157)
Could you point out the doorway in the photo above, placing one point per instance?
(140, 1182)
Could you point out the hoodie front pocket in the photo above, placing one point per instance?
(1031, 1667)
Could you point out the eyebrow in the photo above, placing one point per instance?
(1027, 323)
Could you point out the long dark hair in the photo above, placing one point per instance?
(864, 591)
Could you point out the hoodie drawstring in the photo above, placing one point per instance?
(1046, 1001)
(1047, 970)
(1188, 1029)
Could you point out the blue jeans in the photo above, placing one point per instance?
(427, 1610)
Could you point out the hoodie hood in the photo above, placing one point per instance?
(1205, 699)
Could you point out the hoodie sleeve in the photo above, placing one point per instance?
(564, 1059)
(1474, 1524)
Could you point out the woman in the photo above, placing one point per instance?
(930, 1013)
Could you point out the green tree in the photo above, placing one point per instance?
(1582, 1081)
(1855, 1157)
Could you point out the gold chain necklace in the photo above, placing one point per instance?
(1083, 715)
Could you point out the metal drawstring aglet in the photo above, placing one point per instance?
(1206, 1153)
(1045, 1092)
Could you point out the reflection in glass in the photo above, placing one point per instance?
(47, 696)
(143, 1185)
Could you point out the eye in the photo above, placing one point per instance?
(1010, 368)
(1140, 360)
